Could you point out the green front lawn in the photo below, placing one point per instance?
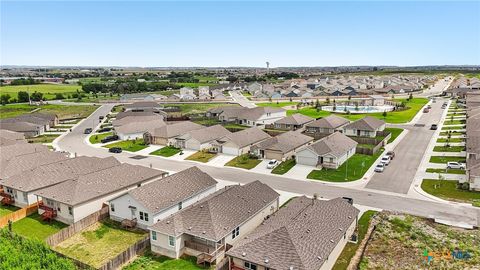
(46, 138)
(98, 137)
(448, 149)
(350, 249)
(131, 145)
(349, 171)
(453, 133)
(7, 209)
(395, 133)
(244, 162)
(452, 140)
(33, 227)
(149, 261)
(284, 167)
(201, 156)
(99, 243)
(166, 151)
(454, 122)
(452, 171)
(447, 189)
(453, 127)
(445, 159)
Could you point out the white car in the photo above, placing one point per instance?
(272, 164)
(385, 160)
(455, 165)
(380, 167)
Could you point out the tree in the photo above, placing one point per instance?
(22, 96)
(5, 98)
(327, 100)
(384, 114)
(410, 96)
(317, 103)
(36, 96)
(59, 96)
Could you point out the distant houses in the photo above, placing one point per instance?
(257, 116)
(281, 147)
(365, 127)
(31, 125)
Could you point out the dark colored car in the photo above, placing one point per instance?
(87, 131)
(391, 154)
(103, 130)
(109, 139)
(115, 150)
(434, 127)
(101, 117)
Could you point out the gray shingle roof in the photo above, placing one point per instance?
(330, 122)
(9, 151)
(135, 119)
(100, 183)
(301, 235)
(284, 142)
(207, 134)
(336, 144)
(20, 126)
(176, 129)
(295, 119)
(29, 161)
(367, 123)
(121, 115)
(11, 135)
(246, 137)
(254, 114)
(140, 126)
(142, 104)
(217, 215)
(172, 189)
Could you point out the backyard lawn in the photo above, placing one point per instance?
(98, 137)
(395, 133)
(452, 171)
(449, 149)
(244, 162)
(99, 243)
(166, 151)
(350, 249)
(62, 111)
(46, 138)
(33, 227)
(284, 167)
(447, 189)
(353, 169)
(131, 145)
(149, 261)
(445, 159)
(201, 156)
(7, 209)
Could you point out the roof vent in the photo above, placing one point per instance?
(189, 228)
(244, 254)
(290, 268)
(340, 229)
(266, 260)
(319, 258)
(331, 241)
(201, 206)
(204, 232)
(349, 217)
(168, 221)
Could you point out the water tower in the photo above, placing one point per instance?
(268, 66)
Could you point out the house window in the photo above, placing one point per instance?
(25, 196)
(112, 207)
(145, 216)
(70, 211)
(180, 206)
(250, 266)
(9, 190)
(171, 241)
(235, 232)
(154, 235)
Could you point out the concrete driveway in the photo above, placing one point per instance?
(186, 153)
(220, 160)
(262, 168)
(299, 171)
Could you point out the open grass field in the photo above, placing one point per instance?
(351, 170)
(201, 156)
(284, 167)
(199, 108)
(350, 248)
(131, 146)
(244, 162)
(166, 151)
(98, 137)
(62, 111)
(395, 133)
(48, 90)
(413, 107)
(447, 189)
(7, 209)
(33, 227)
(195, 85)
(149, 261)
(99, 243)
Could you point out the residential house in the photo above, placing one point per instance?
(167, 134)
(365, 127)
(201, 139)
(29, 130)
(292, 122)
(328, 152)
(10, 151)
(133, 127)
(259, 116)
(473, 140)
(20, 188)
(122, 115)
(306, 234)
(8, 137)
(30, 125)
(29, 161)
(204, 91)
(75, 199)
(326, 125)
(142, 106)
(212, 225)
(239, 143)
(146, 205)
(281, 147)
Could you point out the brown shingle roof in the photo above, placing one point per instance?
(11, 135)
(301, 235)
(218, 214)
(336, 144)
(284, 142)
(172, 189)
(208, 134)
(10, 151)
(246, 137)
(177, 129)
(367, 123)
(295, 119)
(29, 161)
(330, 122)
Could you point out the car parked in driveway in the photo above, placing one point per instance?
(109, 139)
(380, 167)
(434, 127)
(385, 160)
(455, 165)
(115, 150)
(87, 131)
(391, 154)
(272, 164)
(426, 110)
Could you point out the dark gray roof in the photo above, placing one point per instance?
(330, 122)
(336, 144)
(367, 123)
(171, 190)
(218, 214)
(100, 183)
(301, 235)
(295, 119)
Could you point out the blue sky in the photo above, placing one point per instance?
(199, 33)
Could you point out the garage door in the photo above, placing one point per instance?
(307, 161)
(230, 150)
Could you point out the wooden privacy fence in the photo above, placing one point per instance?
(127, 254)
(19, 214)
(223, 264)
(78, 226)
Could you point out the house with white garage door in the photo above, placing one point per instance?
(200, 139)
(281, 147)
(146, 205)
(329, 152)
(365, 127)
(166, 134)
(239, 143)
